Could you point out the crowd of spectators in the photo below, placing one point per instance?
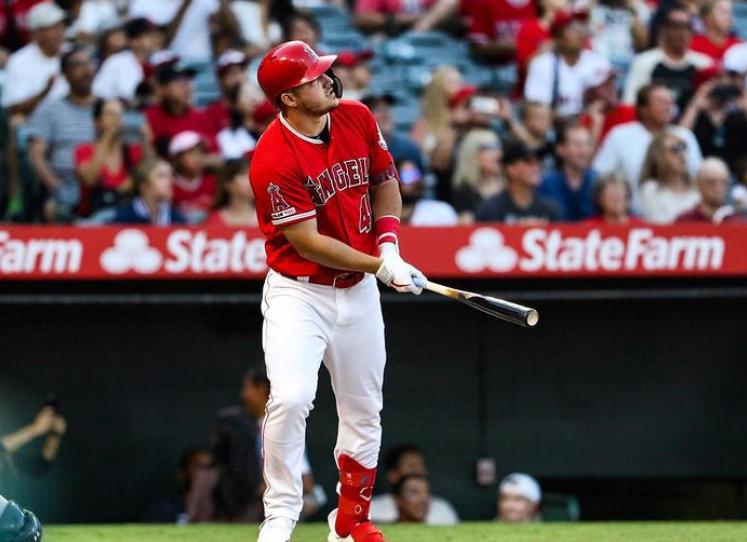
(148, 111)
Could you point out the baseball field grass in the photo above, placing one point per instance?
(468, 532)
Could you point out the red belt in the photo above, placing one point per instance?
(342, 280)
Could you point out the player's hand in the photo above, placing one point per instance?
(43, 422)
(398, 274)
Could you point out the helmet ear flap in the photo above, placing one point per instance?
(336, 83)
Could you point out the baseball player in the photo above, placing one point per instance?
(328, 202)
(18, 525)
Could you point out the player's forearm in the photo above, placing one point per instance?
(335, 254)
(387, 200)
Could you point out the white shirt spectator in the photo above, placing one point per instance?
(118, 77)
(235, 143)
(609, 27)
(644, 64)
(95, 16)
(27, 73)
(192, 39)
(430, 212)
(735, 59)
(249, 15)
(572, 80)
(384, 510)
(624, 151)
(662, 205)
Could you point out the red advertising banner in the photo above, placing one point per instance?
(462, 252)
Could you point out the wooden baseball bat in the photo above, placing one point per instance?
(499, 308)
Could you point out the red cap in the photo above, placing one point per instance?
(289, 65)
(461, 95)
(353, 58)
(564, 18)
(264, 112)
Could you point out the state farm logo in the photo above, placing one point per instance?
(552, 250)
(184, 251)
(486, 250)
(131, 252)
(42, 256)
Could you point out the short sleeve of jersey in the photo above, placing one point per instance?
(279, 192)
(382, 163)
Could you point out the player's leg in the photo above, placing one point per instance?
(295, 330)
(17, 525)
(356, 358)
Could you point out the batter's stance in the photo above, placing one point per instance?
(328, 202)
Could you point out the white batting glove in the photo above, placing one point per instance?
(398, 274)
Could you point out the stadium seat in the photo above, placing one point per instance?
(558, 507)
(740, 19)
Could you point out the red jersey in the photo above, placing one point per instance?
(499, 20)
(621, 114)
(702, 44)
(194, 197)
(219, 116)
(297, 178)
(166, 126)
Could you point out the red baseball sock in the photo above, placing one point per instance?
(356, 489)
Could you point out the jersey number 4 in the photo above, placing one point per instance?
(366, 219)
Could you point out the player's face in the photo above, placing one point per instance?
(513, 508)
(316, 97)
(415, 500)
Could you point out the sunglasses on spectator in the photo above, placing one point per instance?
(677, 148)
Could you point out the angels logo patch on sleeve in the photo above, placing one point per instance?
(280, 208)
(382, 141)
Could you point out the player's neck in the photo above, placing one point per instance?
(310, 126)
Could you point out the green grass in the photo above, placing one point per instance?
(471, 532)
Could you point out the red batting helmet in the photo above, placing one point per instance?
(290, 64)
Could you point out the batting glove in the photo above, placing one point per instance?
(398, 274)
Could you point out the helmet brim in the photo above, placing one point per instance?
(316, 71)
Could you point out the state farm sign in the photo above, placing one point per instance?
(485, 251)
(554, 250)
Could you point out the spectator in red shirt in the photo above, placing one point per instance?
(14, 27)
(534, 37)
(712, 182)
(611, 195)
(393, 17)
(104, 166)
(234, 202)
(604, 109)
(194, 189)
(718, 17)
(495, 25)
(231, 71)
(174, 113)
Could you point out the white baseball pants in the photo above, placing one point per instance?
(305, 324)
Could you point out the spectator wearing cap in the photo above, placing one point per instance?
(153, 191)
(174, 112)
(717, 115)
(352, 69)
(533, 37)
(477, 174)
(718, 17)
(401, 146)
(519, 203)
(672, 63)
(619, 29)
(187, 30)
(602, 107)
(495, 26)
(24, 88)
(121, 74)
(624, 149)
(14, 26)
(230, 69)
(519, 499)
(559, 78)
(712, 182)
(194, 188)
(611, 195)
(735, 61)
(570, 186)
(56, 129)
(234, 201)
(392, 17)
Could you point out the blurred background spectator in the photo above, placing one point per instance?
(611, 196)
(49, 425)
(712, 182)
(519, 499)
(477, 174)
(666, 186)
(152, 193)
(404, 461)
(234, 200)
(412, 494)
(194, 187)
(717, 37)
(173, 508)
